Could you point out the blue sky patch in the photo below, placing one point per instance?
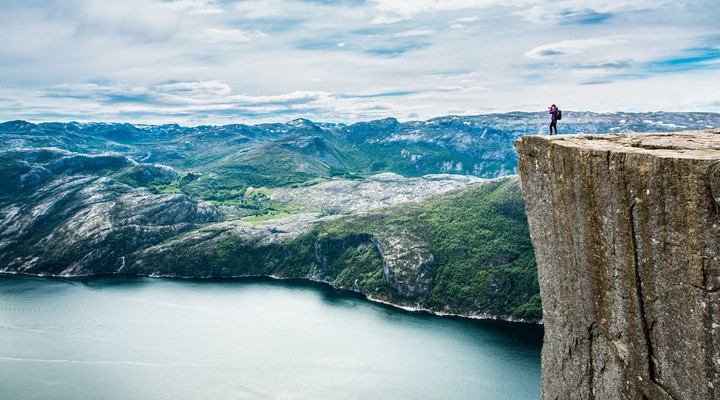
(380, 94)
(694, 59)
(590, 17)
(395, 51)
(321, 45)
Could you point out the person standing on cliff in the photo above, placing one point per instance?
(553, 118)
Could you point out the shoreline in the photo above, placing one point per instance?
(417, 309)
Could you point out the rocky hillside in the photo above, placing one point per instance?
(61, 215)
(431, 254)
(625, 229)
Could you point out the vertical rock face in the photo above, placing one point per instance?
(626, 231)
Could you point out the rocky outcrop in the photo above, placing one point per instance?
(84, 225)
(346, 196)
(407, 263)
(626, 230)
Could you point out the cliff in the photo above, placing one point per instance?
(627, 239)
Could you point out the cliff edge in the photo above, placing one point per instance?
(626, 230)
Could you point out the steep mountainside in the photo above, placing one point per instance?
(61, 212)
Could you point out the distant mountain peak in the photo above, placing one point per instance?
(300, 122)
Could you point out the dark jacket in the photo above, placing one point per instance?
(553, 114)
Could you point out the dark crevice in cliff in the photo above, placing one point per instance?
(640, 295)
(591, 366)
(646, 325)
(708, 283)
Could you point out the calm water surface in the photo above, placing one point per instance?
(141, 338)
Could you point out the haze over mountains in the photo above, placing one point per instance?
(300, 199)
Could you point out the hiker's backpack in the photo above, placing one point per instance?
(558, 116)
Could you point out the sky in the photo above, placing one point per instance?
(196, 62)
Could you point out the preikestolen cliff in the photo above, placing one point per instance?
(625, 229)
(421, 215)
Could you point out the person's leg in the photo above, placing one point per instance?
(553, 125)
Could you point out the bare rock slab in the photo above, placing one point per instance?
(626, 231)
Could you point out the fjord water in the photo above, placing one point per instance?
(142, 338)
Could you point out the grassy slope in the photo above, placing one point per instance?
(484, 260)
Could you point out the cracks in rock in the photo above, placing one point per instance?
(707, 285)
(591, 374)
(645, 324)
(640, 294)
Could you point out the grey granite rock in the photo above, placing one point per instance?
(407, 262)
(79, 225)
(627, 238)
(345, 196)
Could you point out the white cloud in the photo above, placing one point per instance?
(137, 20)
(414, 32)
(193, 6)
(569, 47)
(468, 19)
(256, 9)
(230, 35)
(391, 11)
(545, 12)
(214, 88)
(403, 34)
(94, 90)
